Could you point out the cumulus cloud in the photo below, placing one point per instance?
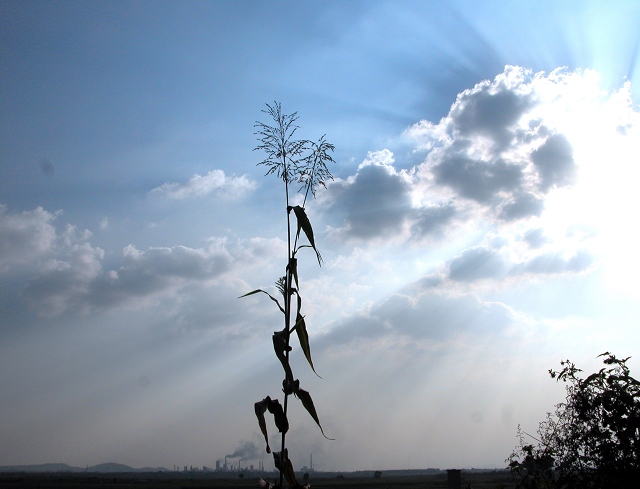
(25, 237)
(375, 201)
(554, 161)
(144, 274)
(476, 179)
(423, 316)
(61, 271)
(483, 262)
(431, 219)
(535, 238)
(199, 186)
(500, 145)
(500, 152)
(490, 109)
(477, 263)
(62, 282)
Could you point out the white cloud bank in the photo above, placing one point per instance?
(201, 185)
(519, 157)
(61, 272)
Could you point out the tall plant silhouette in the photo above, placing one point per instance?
(304, 163)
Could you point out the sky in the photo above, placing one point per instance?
(480, 227)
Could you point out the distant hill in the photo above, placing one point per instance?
(40, 468)
(114, 467)
(110, 467)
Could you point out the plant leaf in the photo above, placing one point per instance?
(305, 398)
(275, 408)
(270, 297)
(293, 268)
(305, 225)
(284, 465)
(280, 347)
(260, 408)
(303, 336)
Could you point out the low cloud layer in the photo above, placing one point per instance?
(61, 271)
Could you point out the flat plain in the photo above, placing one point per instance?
(173, 480)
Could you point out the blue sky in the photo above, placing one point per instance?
(479, 228)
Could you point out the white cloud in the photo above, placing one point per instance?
(25, 237)
(199, 186)
(60, 271)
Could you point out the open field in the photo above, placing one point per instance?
(173, 480)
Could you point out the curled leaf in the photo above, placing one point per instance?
(260, 408)
(293, 268)
(280, 347)
(275, 408)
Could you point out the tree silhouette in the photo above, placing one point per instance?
(592, 440)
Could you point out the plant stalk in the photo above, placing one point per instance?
(287, 313)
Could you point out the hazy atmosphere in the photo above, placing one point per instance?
(480, 228)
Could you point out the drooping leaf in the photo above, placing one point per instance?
(270, 297)
(307, 402)
(301, 329)
(293, 268)
(260, 408)
(275, 408)
(303, 336)
(305, 225)
(280, 347)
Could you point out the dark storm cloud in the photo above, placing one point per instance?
(554, 161)
(375, 202)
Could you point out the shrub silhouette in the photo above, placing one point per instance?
(303, 162)
(592, 440)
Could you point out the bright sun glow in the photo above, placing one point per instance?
(603, 131)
